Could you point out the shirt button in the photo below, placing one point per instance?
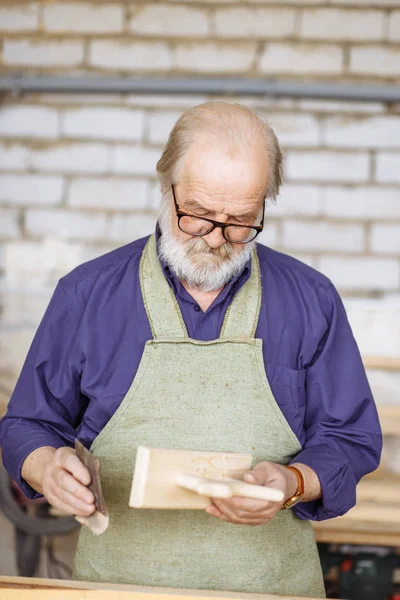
(197, 308)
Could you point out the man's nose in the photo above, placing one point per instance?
(215, 239)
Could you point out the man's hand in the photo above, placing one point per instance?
(62, 478)
(246, 511)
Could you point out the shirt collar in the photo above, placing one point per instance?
(231, 287)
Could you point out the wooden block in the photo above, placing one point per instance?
(15, 588)
(186, 479)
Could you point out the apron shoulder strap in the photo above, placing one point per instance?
(161, 306)
(242, 315)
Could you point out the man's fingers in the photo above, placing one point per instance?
(69, 503)
(76, 467)
(69, 484)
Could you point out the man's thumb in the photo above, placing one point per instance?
(253, 477)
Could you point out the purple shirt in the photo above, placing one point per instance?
(88, 346)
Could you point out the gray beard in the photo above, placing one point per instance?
(195, 262)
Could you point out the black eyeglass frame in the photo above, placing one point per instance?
(179, 213)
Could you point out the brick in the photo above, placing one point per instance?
(86, 18)
(250, 23)
(362, 273)
(269, 235)
(103, 123)
(339, 24)
(65, 224)
(320, 235)
(388, 167)
(376, 132)
(36, 266)
(159, 126)
(165, 20)
(385, 239)
(301, 58)
(9, 226)
(73, 158)
(19, 18)
(394, 26)
(295, 130)
(367, 202)
(327, 166)
(154, 197)
(296, 200)
(214, 58)
(363, 3)
(28, 121)
(324, 106)
(14, 157)
(130, 56)
(125, 228)
(108, 193)
(165, 101)
(42, 53)
(135, 160)
(370, 60)
(31, 189)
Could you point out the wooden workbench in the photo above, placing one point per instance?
(15, 588)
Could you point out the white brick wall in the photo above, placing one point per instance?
(385, 239)
(327, 166)
(167, 20)
(319, 235)
(362, 273)
(77, 17)
(28, 190)
(125, 228)
(367, 203)
(303, 59)
(135, 160)
(370, 60)
(338, 24)
(376, 132)
(19, 18)
(13, 156)
(295, 130)
(214, 58)
(130, 56)
(45, 54)
(388, 167)
(72, 158)
(9, 226)
(394, 26)
(254, 22)
(65, 224)
(108, 193)
(103, 123)
(28, 121)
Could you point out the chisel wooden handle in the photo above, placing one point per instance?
(227, 488)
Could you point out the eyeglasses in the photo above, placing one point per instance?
(235, 234)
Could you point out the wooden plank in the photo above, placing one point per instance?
(56, 589)
(381, 363)
(154, 482)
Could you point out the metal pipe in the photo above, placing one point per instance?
(200, 85)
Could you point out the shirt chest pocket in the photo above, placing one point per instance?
(288, 386)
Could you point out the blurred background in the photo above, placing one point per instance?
(78, 169)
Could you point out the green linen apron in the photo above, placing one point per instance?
(201, 396)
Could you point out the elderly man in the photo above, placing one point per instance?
(198, 338)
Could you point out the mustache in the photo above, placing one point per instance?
(198, 245)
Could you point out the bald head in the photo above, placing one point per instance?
(232, 129)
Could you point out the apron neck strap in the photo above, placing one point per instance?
(242, 315)
(163, 311)
(161, 306)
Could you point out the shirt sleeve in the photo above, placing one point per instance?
(343, 435)
(45, 405)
